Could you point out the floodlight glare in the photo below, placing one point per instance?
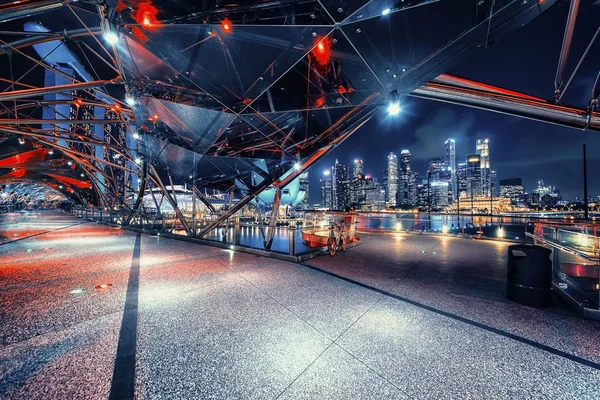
(111, 37)
(130, 100)
(386, 11)
(393, 108)
(297, 166)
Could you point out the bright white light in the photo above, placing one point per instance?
(136, 135)
(111, 38)
(445, 229)
(69, 162)
(138, 160)
(297, 166)
(50, 151)
(394, 108)
(386, 11)
(4, 194)
(130, 100)
(500, 232)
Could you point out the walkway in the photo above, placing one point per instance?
(399, 317)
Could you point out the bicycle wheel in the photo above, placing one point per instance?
(343, 243)
(331, 247)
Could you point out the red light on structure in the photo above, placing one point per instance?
(226, 25)
(320, 102)
(322, 51)
(146, 14)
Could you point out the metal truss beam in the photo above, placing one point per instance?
(31, 121)
(35, 38)
(27, 8)
(512, 103)
(26, 93)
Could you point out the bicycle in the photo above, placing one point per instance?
(333, 243)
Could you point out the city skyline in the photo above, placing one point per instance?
(522, 148)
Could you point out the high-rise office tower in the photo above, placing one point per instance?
(461, 181)
(357, 168)
(340, 185)
(494, 189)
(326, 190)
(451, 164)
(392, 183)
(407, 183)
(304, 186)
(483, 150)
(474, 181)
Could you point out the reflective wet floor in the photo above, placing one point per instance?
(94, 312)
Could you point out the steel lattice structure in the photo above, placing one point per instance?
(233, 96)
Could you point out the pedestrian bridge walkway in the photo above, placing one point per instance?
(90, 311)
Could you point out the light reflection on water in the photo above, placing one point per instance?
(514, 228)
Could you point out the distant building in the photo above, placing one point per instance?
(450, 160)
(512, 189)
(357, 168)
(304, 186)
(375, 195)
(340, 175)
(494, 183)
(326, 190)
(549, 200)
(474, 181)
(439, 194)
(461, 180)
(392, 180)
(407, 196)
(483, 150)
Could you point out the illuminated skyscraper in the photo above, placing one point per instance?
(494, 188)
(461, 181)
(474, 181)
(340, 175)
(407, 184)
(392, 180)
(326, 190)
(304, 186)
(451, 164)
(483, 150)
(357, 168)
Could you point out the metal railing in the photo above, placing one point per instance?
(575, 261)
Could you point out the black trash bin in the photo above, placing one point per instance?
(529, 275)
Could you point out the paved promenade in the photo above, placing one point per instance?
(95, 312)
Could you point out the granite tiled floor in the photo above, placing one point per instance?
(398, 317)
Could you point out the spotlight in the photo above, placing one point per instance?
(111, 37)
(21, 141)
(130, 100)
(386, 11)
(297, 166)
(50, 151)
(394, 108)
(69, 162)
(138, 160)
(445, 229)
(500, 232)
(82, 175)
(136, 135)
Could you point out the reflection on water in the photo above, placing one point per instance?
(512, 227)
(249, 235)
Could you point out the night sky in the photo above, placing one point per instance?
(524, 61)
